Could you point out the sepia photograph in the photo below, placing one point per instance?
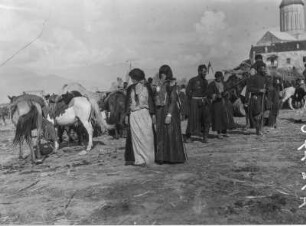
(152, 112)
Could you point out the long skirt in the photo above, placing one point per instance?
(170, 147)
(142, 137)
(220, 117)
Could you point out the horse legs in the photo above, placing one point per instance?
(117, 132)
(89, 130)
(3, 118)
(33, 157)
(20, 152)
(60, 132)
(39, 131)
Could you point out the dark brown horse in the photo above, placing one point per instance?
(115, 104)
(4, 112)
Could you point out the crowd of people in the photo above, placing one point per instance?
(154, 112)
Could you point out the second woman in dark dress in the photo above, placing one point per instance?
(170, 147)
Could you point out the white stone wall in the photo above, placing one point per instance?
(296, 59)
(292, 18)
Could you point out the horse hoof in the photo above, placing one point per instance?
(83, 152)
(37, 161)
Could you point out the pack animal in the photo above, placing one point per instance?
(4, 112)
(27, 115)
(115, 105)
(66, 111)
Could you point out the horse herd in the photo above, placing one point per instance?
(80, 110)
(92, 113)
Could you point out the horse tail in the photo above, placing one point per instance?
(26, 123)
(98, 117)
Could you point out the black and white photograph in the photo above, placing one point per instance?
(152, 112)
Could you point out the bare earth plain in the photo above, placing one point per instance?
(243, 179)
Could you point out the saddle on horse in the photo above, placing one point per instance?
(62, 103)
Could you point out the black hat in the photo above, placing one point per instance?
(137, 74)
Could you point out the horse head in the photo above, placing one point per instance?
(12, 98)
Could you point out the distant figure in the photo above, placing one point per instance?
(125, 85)
(256, 90)
(219, 111)
(150, 80)
(183, 102)
(258, 58)
(304, 72)
(275, 98)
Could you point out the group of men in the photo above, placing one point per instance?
(261, 94)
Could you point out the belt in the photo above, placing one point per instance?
(199, 98)
(256, 94)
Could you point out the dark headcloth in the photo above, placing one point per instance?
(165, 69)
(218, 74)
(258, 57)
(137, 74)
(201, 67)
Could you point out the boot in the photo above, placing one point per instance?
(188, 138)
(205, 135)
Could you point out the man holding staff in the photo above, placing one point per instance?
(256, 94)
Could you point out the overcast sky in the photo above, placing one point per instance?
(93, 39)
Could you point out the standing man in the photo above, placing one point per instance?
(256, 90)
(199, 105)
(304, 73)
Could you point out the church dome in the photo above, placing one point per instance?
(291, 2)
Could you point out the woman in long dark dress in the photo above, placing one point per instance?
(219, 111)
(140, 110)
(170, 147)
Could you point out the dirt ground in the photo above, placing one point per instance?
(243, 179)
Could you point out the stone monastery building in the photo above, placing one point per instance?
(285, 49)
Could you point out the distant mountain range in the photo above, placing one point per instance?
(15, 80)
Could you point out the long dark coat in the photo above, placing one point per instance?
(170, 147)
(219, 111)
(198, 110)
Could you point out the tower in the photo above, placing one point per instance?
(292, 16)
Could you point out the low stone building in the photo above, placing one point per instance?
(285, 49)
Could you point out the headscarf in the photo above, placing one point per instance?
(165, 69)
(137, 74)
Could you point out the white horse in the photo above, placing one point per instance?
(79, 109)
(287, 94)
